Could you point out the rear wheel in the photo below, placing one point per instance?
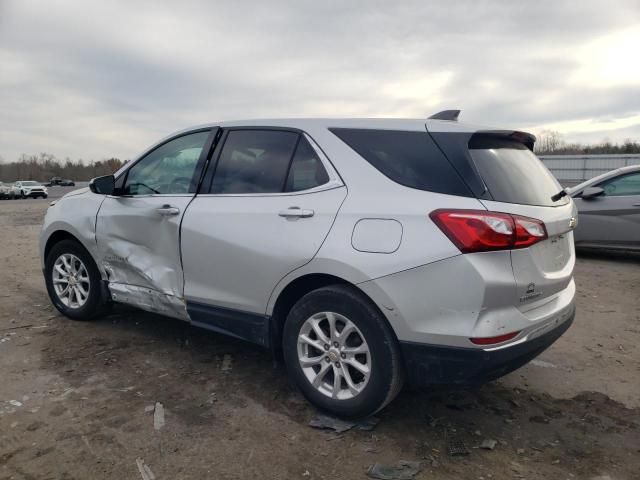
(341, 353)
(73, 281)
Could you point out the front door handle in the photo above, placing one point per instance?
(168, 210)
(636, 204)
(296, 212)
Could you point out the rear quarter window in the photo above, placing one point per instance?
(411, 159)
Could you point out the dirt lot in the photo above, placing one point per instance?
(75, 397)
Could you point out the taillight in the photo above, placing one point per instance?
(482, 231)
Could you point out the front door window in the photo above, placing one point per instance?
(169, 169)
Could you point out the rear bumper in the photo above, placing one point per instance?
(437, 364)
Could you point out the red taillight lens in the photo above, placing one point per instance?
(494, 340)
(528, 231)
(482, 231)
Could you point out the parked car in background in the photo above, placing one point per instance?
(60, 182)
(29, 189)
(609, 210)
(6, 191)
(367, 252)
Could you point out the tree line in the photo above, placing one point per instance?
(550, 142)
(45, 165)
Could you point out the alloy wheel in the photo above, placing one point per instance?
(334, 355)
(71, 280)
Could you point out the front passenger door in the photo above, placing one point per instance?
(138, 230)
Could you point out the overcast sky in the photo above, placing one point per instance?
(95, 79)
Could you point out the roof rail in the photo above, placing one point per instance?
(446, 115)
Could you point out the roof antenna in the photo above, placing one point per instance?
(446, 115)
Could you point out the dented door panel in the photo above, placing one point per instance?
(138, 247)
(149, 299)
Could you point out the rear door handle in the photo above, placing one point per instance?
(296, 212)
(168, 210)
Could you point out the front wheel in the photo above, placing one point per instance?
(73, 281)
(341, 353)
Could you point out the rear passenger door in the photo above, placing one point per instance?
(267, 203)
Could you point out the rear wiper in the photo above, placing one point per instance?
(559, 195)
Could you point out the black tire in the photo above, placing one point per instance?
(95, 303)
(386, 372)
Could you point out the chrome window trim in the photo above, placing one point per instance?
(153, 195)
(330, 185)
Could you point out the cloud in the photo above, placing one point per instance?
(98, 79)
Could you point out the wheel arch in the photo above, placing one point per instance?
(299, 287)
(56, 237)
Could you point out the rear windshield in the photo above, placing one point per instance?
(512, 172)
(411, 159)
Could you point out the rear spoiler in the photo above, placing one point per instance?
(526, 139)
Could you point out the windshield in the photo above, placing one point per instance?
(30, 184)
(513, 173)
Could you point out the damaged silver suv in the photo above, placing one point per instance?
(367, 252)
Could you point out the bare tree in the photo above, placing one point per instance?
(549, 141)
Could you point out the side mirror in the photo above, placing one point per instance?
(103, 185)
(592, 192)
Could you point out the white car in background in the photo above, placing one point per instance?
(29, 189)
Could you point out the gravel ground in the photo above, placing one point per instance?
(77, 399)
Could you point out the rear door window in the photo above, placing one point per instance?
(411, 159)
(512, 172)
(254, 161)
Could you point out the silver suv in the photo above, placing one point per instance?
(365, 252)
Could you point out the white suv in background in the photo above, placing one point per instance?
(29, 189)
(368, 252)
